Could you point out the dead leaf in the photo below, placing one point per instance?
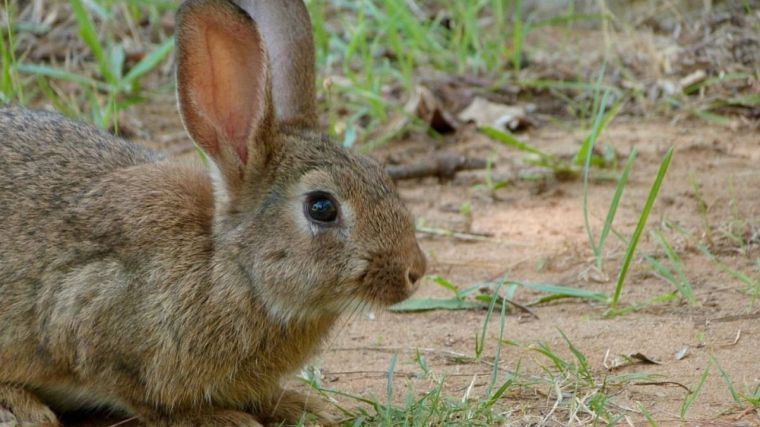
(624, 360)
(425, 105)
(692, 79)
(505, 117)
(682, 353)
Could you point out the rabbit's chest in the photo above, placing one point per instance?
(278, 354)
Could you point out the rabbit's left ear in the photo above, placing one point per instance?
(223, 84)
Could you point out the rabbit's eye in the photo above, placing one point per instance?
(321, 208)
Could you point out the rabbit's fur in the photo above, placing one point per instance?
(152, 287)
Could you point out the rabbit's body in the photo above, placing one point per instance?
(157, 288)
(85, 287)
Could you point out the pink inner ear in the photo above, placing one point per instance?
(223, 70)
(236, 70)
(237, 131)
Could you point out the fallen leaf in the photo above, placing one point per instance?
(485, 113)
(682, 353)
(425, 105)
(624, 360)
(692, 79)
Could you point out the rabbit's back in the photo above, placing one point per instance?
(47, 165)
(84, 219)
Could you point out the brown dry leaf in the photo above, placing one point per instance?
(425, 105)
(696, 77)
(624, 360)
(504, 117)
(422, 104)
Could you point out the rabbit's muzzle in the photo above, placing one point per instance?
(392, 278)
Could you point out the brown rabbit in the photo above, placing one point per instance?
(155, 288)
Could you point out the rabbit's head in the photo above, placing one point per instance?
(315, 228)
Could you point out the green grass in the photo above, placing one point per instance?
(460, 300)
(375, 46)
(692, 396)
(574, 389)
(11, 90)
(634, 240)
(105, 86)
(752, 284)
(675, 273)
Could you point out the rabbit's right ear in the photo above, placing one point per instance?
(223, 84)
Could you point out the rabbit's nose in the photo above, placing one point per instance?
(411, 276)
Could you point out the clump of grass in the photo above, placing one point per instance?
(578, 392)
(435, 406)
(752, 283)
(612, 300)
(11, 89)
(373, 51)
(113, 89)
(692, 396)
(675, 273)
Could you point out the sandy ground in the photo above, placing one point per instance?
(538, 236)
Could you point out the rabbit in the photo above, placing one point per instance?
(182, 294)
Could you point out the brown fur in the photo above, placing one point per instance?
(140, 284)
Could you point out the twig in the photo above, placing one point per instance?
(455, 234)
(444, 166)
(663, 383)
(735, 317)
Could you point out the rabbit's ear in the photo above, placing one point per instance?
(286, 28)
(223, 83)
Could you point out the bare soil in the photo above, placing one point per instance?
(538, 236)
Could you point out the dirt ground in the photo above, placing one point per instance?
(538, 235)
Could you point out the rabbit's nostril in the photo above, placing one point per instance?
(412, 276)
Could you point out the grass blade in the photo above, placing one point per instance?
(150, 61)
(389, 388)
(57, 73)
(545, 159)
(692, 396)
(428, 304)
(612, 211)
(511, 141)
(90, 36)
(563, 291)
(655, 190)
(584, 156)
(10, 88)
(726, 379)
(480, 341)
(499, 344)
(518, 34)
(681, 282)
(603, 119)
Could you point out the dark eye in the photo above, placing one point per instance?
(321, 207)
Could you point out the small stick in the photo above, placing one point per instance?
(443, 166)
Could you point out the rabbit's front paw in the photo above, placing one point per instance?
(292, 407)
(219, 418)
(20, 408)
